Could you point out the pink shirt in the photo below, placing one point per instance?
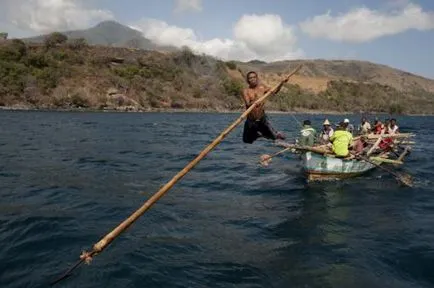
(358, 146)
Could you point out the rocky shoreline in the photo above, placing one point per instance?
(132, 109)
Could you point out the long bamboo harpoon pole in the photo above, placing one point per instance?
(107, 239)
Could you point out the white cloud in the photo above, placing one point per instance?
(363, 24)
(263, 37)
(44, 16)
(188, 5)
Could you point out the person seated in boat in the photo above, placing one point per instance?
(341, 140)
(386, 126)
(379, 127)
(326, 132)
(257, 124)
(390, 127)
(386, 144)
(350, 127)
(393, 128)
(307, 134)
(359, 146)
(365, 127)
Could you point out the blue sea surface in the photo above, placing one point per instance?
(69, 178)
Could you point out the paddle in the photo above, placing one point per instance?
(404, 179)
(107, 239)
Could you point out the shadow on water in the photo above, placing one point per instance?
(341, 238)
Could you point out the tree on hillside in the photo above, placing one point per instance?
(55, 39)
(3, 35)
(134, 43)
(231, 65)
(185, 57)
(14, 50)
(78, 44)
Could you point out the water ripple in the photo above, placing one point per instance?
(66, 179)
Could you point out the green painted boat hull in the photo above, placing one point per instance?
(319, 167)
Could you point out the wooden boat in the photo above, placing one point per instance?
(326, 167)
(319, 163)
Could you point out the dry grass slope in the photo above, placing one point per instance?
(352, 70)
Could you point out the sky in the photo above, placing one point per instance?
(397, 33)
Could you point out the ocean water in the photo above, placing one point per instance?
(67, 179)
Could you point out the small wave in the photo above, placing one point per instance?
(228, 222)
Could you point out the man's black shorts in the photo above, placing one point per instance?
(253, 129)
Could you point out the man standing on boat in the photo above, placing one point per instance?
(257, 124)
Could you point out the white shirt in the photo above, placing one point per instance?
(365, 127)
(393, 130)
(325, 135)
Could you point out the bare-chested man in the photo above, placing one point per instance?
(257, 124)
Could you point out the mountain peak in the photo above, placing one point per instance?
(112, 27)
(110, 33)
(109, 23)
